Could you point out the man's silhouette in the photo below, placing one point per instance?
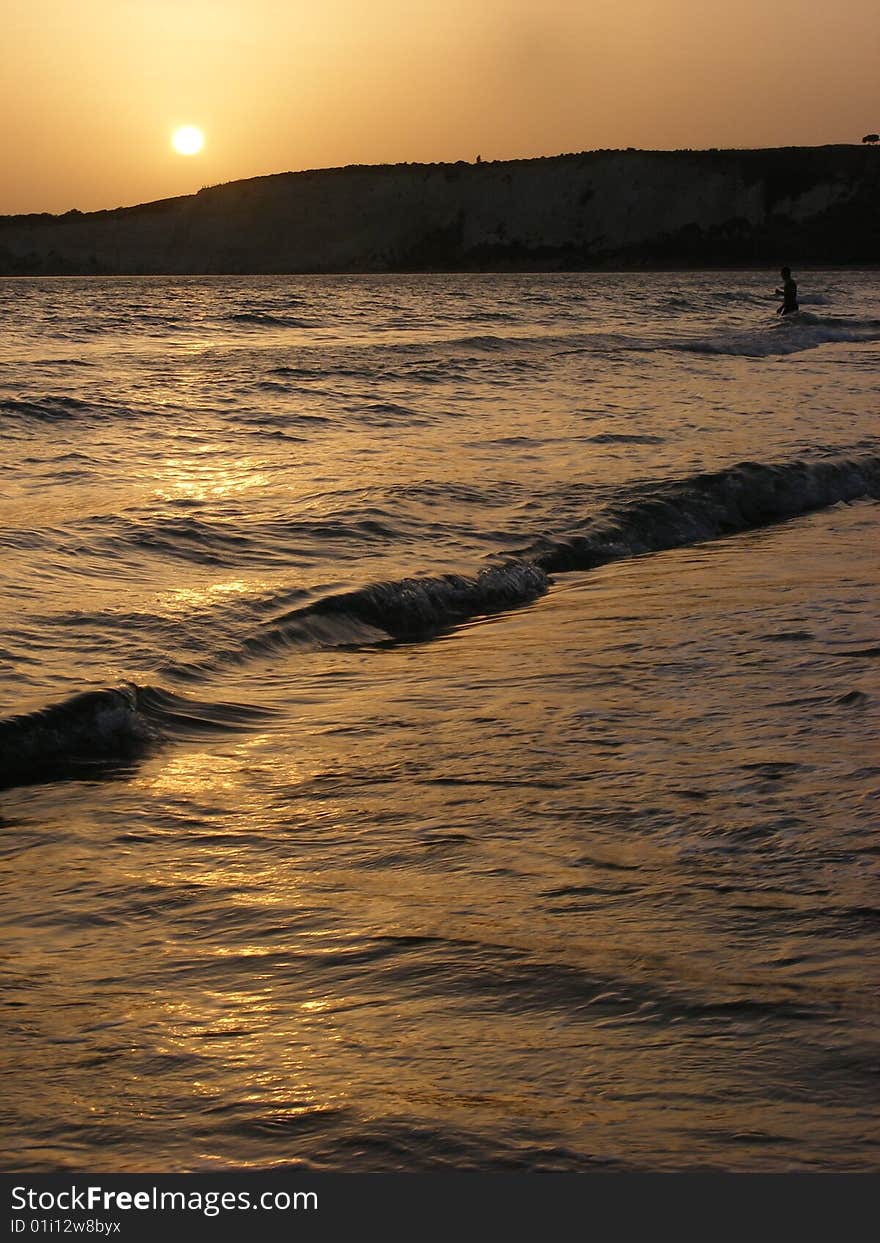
(788, 294)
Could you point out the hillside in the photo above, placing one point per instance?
(801, 205)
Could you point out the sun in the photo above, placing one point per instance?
(187, 140)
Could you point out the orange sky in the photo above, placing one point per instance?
(90, 90)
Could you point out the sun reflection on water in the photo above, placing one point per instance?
(186, 599)
(208, 475)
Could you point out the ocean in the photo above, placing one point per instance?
(440, 722)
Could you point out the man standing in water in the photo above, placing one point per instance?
(788, 293)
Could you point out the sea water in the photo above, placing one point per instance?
(440, 722)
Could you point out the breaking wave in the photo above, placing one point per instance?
(111, 726)
(651, 518)
(789, 335)
(94, 732)
(415, 607)
(88, 728)
(705, 507)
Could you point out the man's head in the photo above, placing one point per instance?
(785, 273)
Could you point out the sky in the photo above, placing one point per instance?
(91, 90)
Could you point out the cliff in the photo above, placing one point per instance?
(801, 205)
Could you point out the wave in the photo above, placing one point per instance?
(789, 335)
(56, 409)
(265, 319)
(112, 726)
(91, 727)
(705, 507)
(44, 409)
(388, 414)
(407, 610)
(94, 733)
(621, 438)
(654, 518)
(211, 539)
(413, 608)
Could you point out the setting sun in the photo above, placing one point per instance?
(187, 140)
